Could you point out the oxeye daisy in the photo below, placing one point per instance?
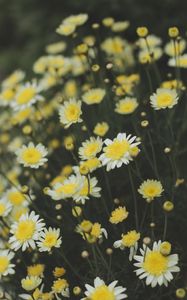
(154, 266)
(90, 148)
(30, 282)
(117, 151)
(105, 292)
(89, 188)
(27, 95)
(164, 98)
(6, 267)
(67, 189)
(126, 106)
(5, 207)
(32, 156)
(26, 231)
(49, 238)
(150, 189)
(129, 240)
(70, 112)
(93, 96)
(118, 215)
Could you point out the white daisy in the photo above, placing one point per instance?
(26, 231)
(16, 198)
(27, 95)
(117, 151)
(70, 112)
(164, 98)
(32, 156)
(90, 148)
(5, 207)
(6, 267)
(154, 266)
(30, 282)
(102, 291)
(49, 238)
(67, 189)
(88, 189)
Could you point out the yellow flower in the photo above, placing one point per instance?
(35, 270)
(126, 106)
(164, 98)
(93, 96)
(118, 215)
(59, 272)
(131, 238)
(150, 189)
(66, 29)
(142, 31)
(59, 285)
(101, 129)
(173, 32)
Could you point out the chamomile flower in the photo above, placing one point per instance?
(164, 98)
(67, 189)
(49, 238)
(30, 282)
(88, 189)
(26, 231)
(6, 267)
(32, 156)
(27, 95)
(154, 266)
(35, 270)
(91, 164)
(151, 189)
(90, 148)
(117, 151)
(70, 112)
(16, 198)
(118, 215)
(129, 240)
(93, 96)
(105, 292)
(5, 207)
(126, 106)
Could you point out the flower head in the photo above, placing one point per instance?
(150, 189)
(164, 98)
(118, 215)
(70, 112)
(6, 267)
(49, 238)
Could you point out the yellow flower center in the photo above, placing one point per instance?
(7, 95)
(31, 155)
(25, 230)
(2, 209)
(102, 293)
(4, 262)
(164, 100)
(59, 285)
(26, 95)
(117, 149)
(126, 107)
(50, 239)
(155, 263)
(72, 112)
(16, 198)
(68, 188)
(151, 191)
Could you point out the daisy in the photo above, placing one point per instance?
(48, 239)
(89, 188)
(91, 164)
(26, 231)
(93, 96)
(66, 29)
(105, 292)
(5, 207)
(129, 240)
(16, 198)
(154, 266)
(67, 189)
(150, 189)
(6, 267)
(27, 95)
(117, 151)
(126, 106)
(164, 98)
(30, 282)
(70, 112)
(90, 148)
(32, 156)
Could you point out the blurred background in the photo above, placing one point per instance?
(26, 26)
